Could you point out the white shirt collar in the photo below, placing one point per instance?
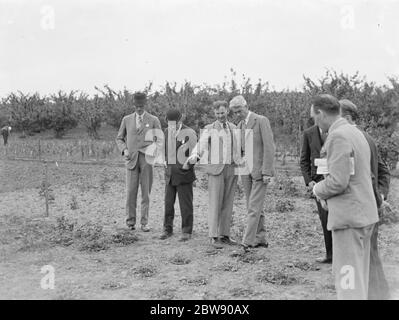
(142, 116)
(247, 118)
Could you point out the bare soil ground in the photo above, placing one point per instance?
(94, 257)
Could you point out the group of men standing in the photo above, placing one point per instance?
(347, 196)
(226, 151)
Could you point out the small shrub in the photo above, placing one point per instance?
(278, 277)
(73, 204)
(179, 259)
(145, 271)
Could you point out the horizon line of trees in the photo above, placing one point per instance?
(287, 110)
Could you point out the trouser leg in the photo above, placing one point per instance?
(378, 285)
(170, 198)
(351, 262)
(215, 188)
(230, 185)
(255, 231)
(185, 194)
(323, 215)
(132, 184)
(146, 178)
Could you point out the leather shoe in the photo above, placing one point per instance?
(165, 235)
(228, 240)
(262, 245)
(145, 228)
(324, 260)
(215, 243)
(185, 237)
(132, 228)
(246, 248)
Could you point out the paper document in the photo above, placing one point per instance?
(322, 166)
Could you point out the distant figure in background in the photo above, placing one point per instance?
(378, 285)
(5, 132)
(137, 142)
(348, 189)
(312, 142)
(178, 180)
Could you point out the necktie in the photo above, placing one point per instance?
(243, 128)
(324, 136)
(140, 121)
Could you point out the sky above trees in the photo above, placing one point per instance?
(48, 46)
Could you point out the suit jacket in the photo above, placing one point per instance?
(350, 198)
(380, 172)
(311, 146)
(205, 147)
(174, 172)
(144, 139)
(261, 157)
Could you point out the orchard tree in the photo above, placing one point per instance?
(61, 112)
(90, 113)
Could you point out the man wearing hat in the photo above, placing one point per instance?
(179, 141)
(139, 142)
(257, 144)
(378, 285)
(218, 145)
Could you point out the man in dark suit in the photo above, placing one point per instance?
(378, 285)
(313, 140)
(180, 140)
(139, 140)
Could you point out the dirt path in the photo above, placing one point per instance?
(150, 268)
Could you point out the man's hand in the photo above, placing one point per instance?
(324, 204)
(185, 165)
(126, 155)
(311, 185)
(192, 158)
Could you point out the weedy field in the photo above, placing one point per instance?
(95, 257)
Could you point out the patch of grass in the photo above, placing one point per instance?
(124, 237)
(241, 292)
(113, 285)
(196, 281)
(146, 270)
(164, 294)
(279, 277)
(250, 257)
(179, 259)
(226, 266)
(73, 203)
(284, 205)
(285, 185)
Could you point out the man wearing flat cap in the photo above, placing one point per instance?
(179, 141)
(139, 142)
(257, 144)
(218, 146)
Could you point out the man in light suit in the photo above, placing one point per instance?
(139, 140)
(348, 190)
(378, 285)
(258, 149)
(217, 148)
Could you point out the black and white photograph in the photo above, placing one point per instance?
(209, 153)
